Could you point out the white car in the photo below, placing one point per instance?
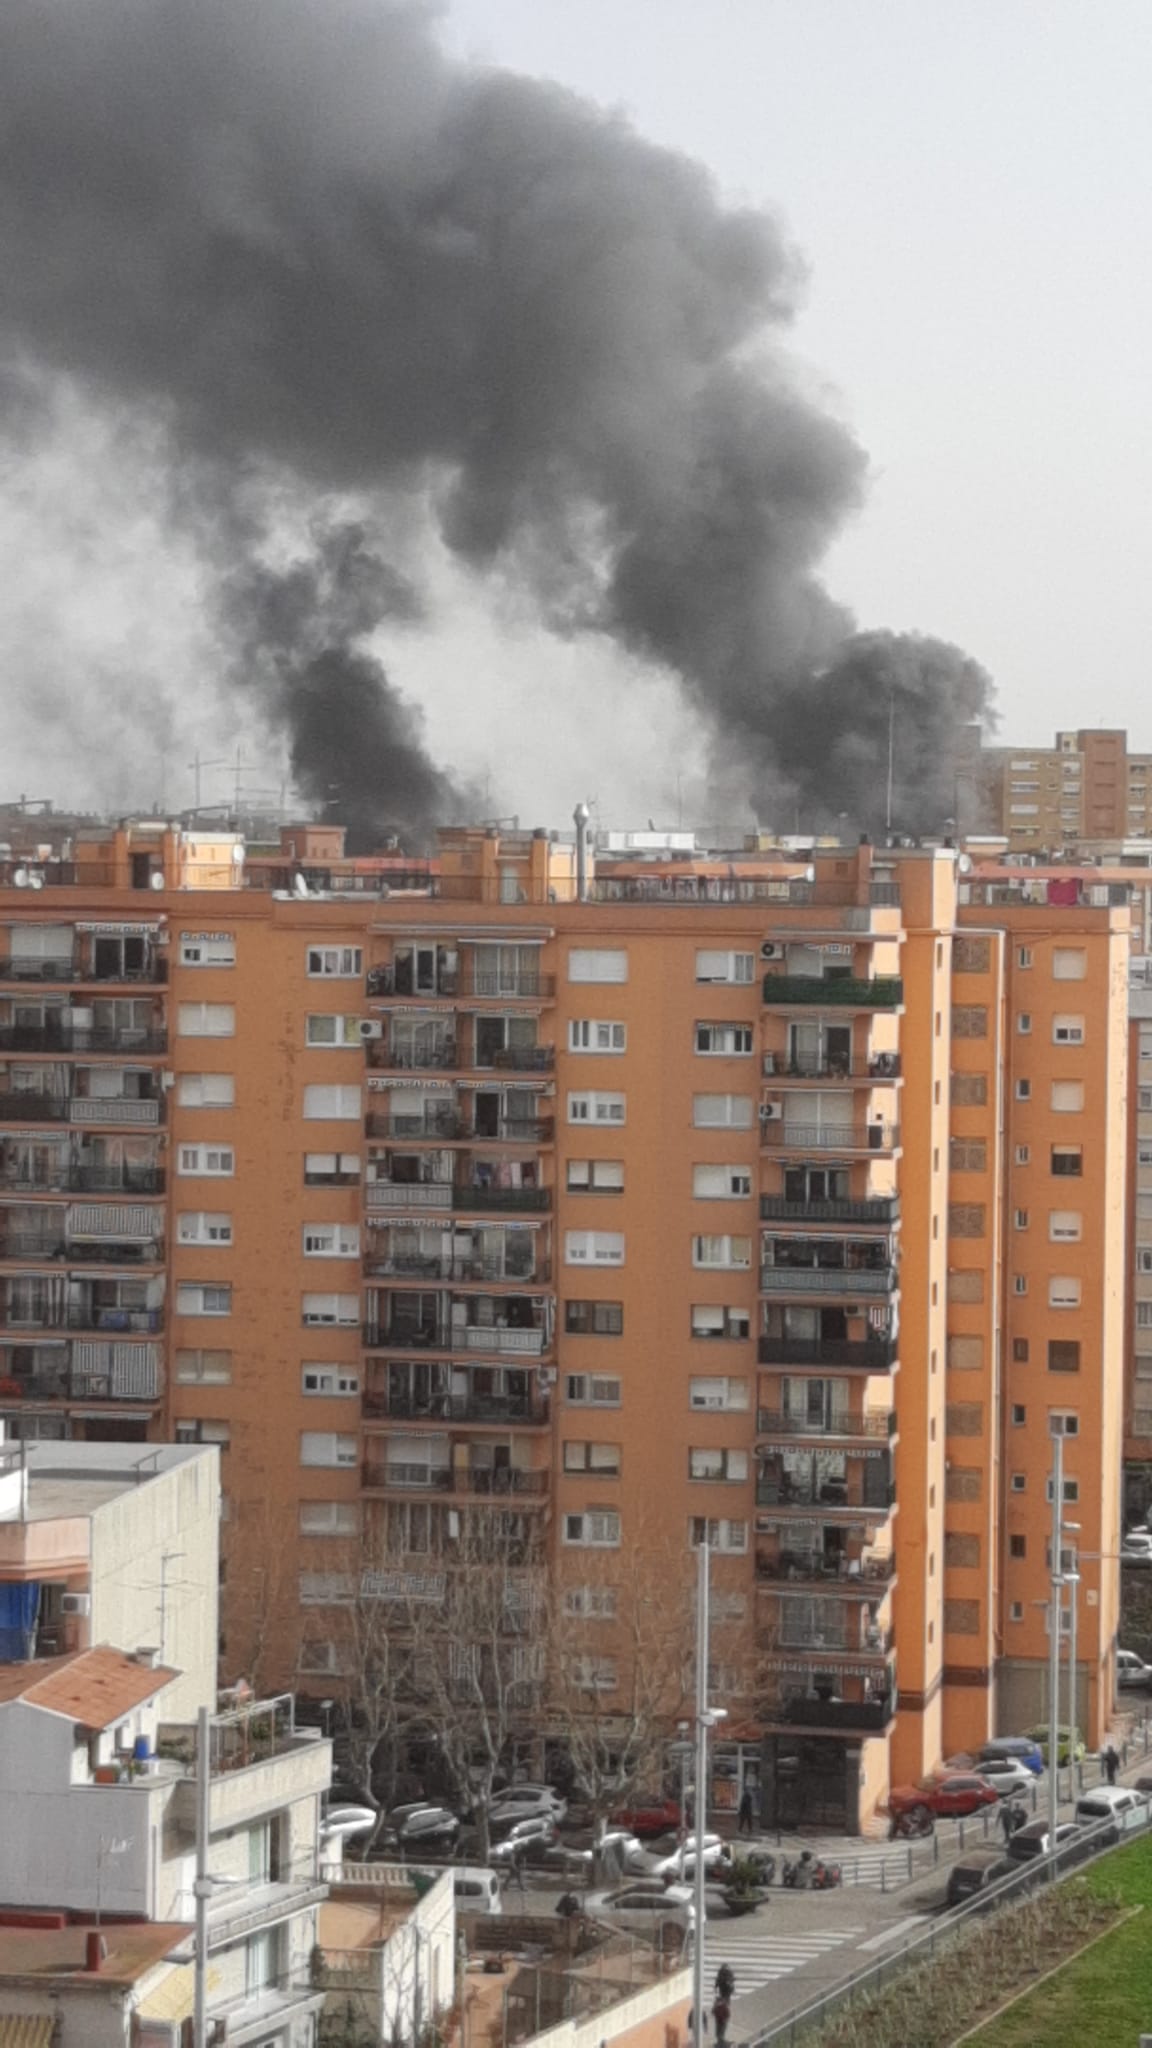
(581, 1862)
(346, 1823)
(1131, 1669)
(646, 1909)
(682, 1862)
(540, 1828)
(1010, 1780)
(526, 1802)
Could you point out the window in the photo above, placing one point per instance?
(331, 1105)
(203, 1226)
(1019, 1482)
(1063, 1292)
(332, 1030)
(324, 1660)
(596, 1176)
(207, 949)
(327, 1589)
(1016, 1609)
(1020, 1350)
(718, 1392)
(328, 1379)
(1063, 1354)
(1020, 1219)
(322, 1311)
(718, 1465)
(196, 1298)
(590, 1603)
(1144, 1258)
(204, 1432)
(717, 1112)
(1024, 956)
(206, 1020)
(1064, 1226)
(588, 963)
(326, 1447)
(596, 1529)
(331, 1240)
(1067, 1030)
(585, 1457)
(206, 1091)
(1019, 1415)
(1063, 1422)
(592, 1106)
(1023, 1155)
(1017, 1546)
(592, 1674)
(1024, 1023)
(1020, 1283)
(328, 1518)
(720, 1534)
(591, 1034)
(339, 963)
(204, 1368)
(218, 1160)
(1071, 1490)
(729, 967)
(724, 1038)
(594, 1318)
(1023, 1091)
(592, 1390)
(1069, 963)
(720, 1322)
(1068, 1097)
(331, 1169)
(1144, 1098)
(967, 1155)
(731, 1253)
(594, 1247)
(1068, 1160)
(717, 1183)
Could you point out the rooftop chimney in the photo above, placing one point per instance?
(95, 1951)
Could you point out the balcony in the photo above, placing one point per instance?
(386, 1265)
(517, 1059)
(429, 1059)
(848, 1633)
(870, 1424)
(835, 991)
(865, 1281)
(865, 1488)
(485, 1481)
(444, 1197)
(778, 1209)
(27, 1107)
(530, 1410)
(503, 1343)
(779, 1067)
(38, 1177)
(864, 1354)
(808, 1710)
(465, 981)
(68, 1038)
(116, 973)
(522, 1201)
(448, 1126)
(32, 1246)
(124, 1110)
(782, 1134)
(815, 1571)
(124, 1322)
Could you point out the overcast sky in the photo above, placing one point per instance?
(970, 185)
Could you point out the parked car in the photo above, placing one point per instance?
(1039, 1736)
(614, 1842)
(946, 1794)
(1120, 1805)
(975, 1873)
(526, 1840)
(646, 1909)
(647, 1817)
(1022, 1749)
(1131, 1670)
(526, 1802)
(1136, 1547)
(347, 1823)
(682, 1862)
(1032, 1840)
(425, 1826)
(1007, 1778)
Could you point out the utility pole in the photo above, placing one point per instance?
(891, 755)
(1055, 1604)
(697, 1835)
(1072, 1581)
(202, 1889)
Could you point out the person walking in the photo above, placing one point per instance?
(1111, 1763)
(721, 2014)
(744, 1817)
(725, 1981)
(516, 1863)
(1007, 1821)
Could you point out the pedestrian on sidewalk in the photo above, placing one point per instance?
(721, 2014)
(516, 1866)
(1007, 1823)
(1111, 1762)
(744, 1817)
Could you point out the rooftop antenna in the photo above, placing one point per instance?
(891, 756)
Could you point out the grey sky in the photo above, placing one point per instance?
(969, 185)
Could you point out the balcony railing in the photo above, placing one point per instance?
(65, 969)
(130, 1322)
(26, 1107)
(842, 1635)
(805, 1710)
(883, 1066)
(502, 1343)
(414, 1059)
(778, 1209)
(73, 1386)
(448, 1126)
(466, 981)
(384, 1406)
(835, 991)
(448, 1479)
(41, 1178)
(66, 1038)
(866, 1354)
(825, 1496)
(873, 1422)
(808, 1568)
(443, 1196)
(525, 1201)
(874, 1137)
(385, 1265)
(868, 1280)
(518, 1059)
(29, 1244)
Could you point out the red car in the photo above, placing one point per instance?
(947, 1794)
(647, 1817)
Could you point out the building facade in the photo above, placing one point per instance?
(1085, 787)
(686, 1207)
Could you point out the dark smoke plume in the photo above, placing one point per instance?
(332, 264)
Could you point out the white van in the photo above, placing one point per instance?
(477, 1890)
(1117, 1803)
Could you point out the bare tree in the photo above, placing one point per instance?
(259, 1596)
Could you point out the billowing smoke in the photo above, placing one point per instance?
(334, 267)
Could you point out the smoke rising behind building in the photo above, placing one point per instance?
(332, 268)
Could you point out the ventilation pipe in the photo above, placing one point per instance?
(580, 818)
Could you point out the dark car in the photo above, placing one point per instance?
(975, 1873)
(1017, 1749)
(1032, 1840)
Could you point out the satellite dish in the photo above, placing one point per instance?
(965, 863)
(21, 878)
(156, 879)
(35, 881)
(300, 885)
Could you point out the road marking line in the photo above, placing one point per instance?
(888, 1934)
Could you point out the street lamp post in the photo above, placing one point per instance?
(706, 1718)
(1056, 1581)
(1072, 1581)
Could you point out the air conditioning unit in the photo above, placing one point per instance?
(771, 1112)
(371, 1027)
(76, 1603)
(546, 1374)
(772, 949)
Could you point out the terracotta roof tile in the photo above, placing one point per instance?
(93, 1687)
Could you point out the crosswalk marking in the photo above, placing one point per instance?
(761, 1957)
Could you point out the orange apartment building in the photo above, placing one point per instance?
(776, 1203)
(1087, 787)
